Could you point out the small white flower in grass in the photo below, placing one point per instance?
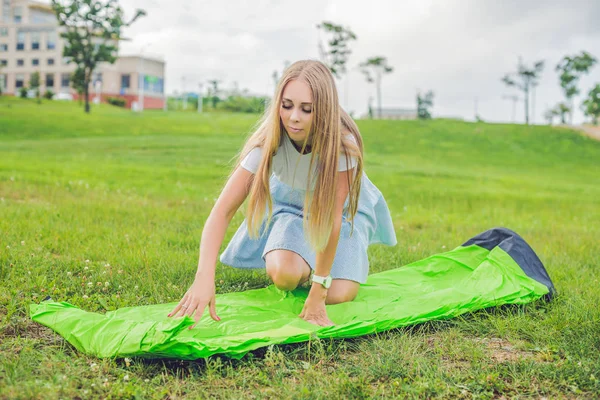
(85, 296)
(86, 268)
(8, 247)
(87, 261)
(106, 284)
(93, 366)
(146, 380)
(90, 284)
(69, 273)
(127, 361)
(126, 377)
(136, 287)
(120, 286)
(120, 271)
(93, 384)
(22, 243)
(444, 246)
(107, 265)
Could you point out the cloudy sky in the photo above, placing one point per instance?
(460, 49)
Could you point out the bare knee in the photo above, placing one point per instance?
(342, 291)
(285, 269)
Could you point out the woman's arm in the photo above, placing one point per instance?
(314, 308)
(202, 291)
(232, 196)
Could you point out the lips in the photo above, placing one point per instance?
(295, 130)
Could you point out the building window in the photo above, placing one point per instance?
(51, 61)
(3, 63)
(20, 40)
(3, 47)
(152, 84)
(49, 81)
(41, 17)
(19, 80)
(125, 81)
(65, 79)
(3, 82)
(18, 15)
(6, 10)
(35, 61)
(3, 31)
(20, 62)
(35, 40)
(51, 42)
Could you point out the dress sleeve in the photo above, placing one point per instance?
(252, 160)
(343, 165)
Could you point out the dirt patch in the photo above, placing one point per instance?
(589, 130)
(501, 350)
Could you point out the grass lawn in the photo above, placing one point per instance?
(106, 211)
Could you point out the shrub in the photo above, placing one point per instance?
(116, 101)
(49, 94)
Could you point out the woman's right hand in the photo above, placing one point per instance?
(195, 300)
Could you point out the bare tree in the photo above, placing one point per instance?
(336, 54)
(374, 69)
(525, 79)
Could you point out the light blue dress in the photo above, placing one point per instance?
(372, 224)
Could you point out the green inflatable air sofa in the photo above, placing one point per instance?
(493, 268)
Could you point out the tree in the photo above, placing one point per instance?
(34, 84)
(93, 29)
(214, 91)
(424, 103)
(562, 109)
(527, 78)
(591, 105)
(78, 83)
(571, 69)
(336, 54)
(374, 68)
(549, 115)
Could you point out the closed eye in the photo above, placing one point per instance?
(303, 109)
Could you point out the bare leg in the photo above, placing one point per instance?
(286, 269)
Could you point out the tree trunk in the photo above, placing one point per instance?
(572, 105)
(86, 93)
(526, 91)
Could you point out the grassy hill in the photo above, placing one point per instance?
(118, 200)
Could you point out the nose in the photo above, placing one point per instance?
(294, 115)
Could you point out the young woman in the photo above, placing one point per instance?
(302, 169)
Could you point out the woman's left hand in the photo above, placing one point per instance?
(314, 312)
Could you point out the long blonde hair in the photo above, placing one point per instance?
(329, 120)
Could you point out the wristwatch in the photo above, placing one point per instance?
(323, 280)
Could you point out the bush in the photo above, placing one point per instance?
(23, 92)
(116, 101)
(49, 94)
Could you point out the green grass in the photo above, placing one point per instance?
(122, 198)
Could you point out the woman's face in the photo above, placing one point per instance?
(296, 110)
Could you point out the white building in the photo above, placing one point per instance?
(30, 42)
